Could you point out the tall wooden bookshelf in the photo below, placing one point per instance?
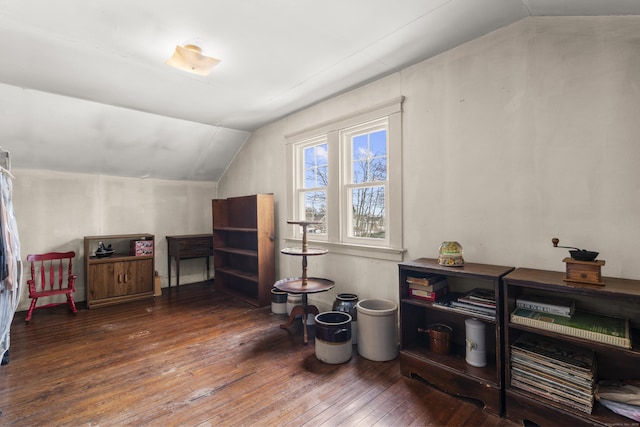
(243, 245)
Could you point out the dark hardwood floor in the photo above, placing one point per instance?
(200, 358)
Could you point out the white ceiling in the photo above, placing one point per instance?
(84, 87)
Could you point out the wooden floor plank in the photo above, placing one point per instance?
(198, 357)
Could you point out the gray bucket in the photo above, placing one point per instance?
(377, 329)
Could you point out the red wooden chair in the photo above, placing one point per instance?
(51, 274)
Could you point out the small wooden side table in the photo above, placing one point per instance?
(188, 247)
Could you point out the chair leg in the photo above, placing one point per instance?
(72, 303)
(31, 308)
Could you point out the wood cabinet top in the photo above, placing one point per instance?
(121, 236)
(487, 271)
(544, 279)
(191, 236)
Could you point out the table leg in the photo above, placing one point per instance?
(169, 268)
(178, 273)
(301, 310)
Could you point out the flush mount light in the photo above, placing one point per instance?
(190, 58)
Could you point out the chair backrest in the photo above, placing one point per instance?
(52, 271)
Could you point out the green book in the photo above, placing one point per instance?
(590, 326)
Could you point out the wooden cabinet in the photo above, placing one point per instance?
(243, 245)
(121, 277)
(617, 298)
(450, 372)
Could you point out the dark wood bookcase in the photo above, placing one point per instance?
(618, 297)
(243, 245)
(450, 372)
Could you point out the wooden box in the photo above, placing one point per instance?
(141, 248)
(584, 271)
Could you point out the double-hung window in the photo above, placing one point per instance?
(346, 176)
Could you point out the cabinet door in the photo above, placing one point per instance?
(137, 276)
(101, 281)
(114, 279)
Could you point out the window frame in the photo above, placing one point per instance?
(347, 184)
(333, 133)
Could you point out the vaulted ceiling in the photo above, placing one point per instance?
(84, 86)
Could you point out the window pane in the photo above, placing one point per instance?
(360, 145)
(379, 143)
(360, 171)
(315, 166)
(368, 212)
(315, 209)
(378, 169)
(369, 157)
(309, 157)
(321, 154)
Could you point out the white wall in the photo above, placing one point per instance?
(528, 133)
(55, 210)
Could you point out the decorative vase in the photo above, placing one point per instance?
(450, 254)
(346, 303)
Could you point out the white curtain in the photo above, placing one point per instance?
(11, 266)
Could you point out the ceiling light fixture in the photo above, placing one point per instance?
(190, 58)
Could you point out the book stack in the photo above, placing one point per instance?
(554, 370)
(430, 288)
(478, 303)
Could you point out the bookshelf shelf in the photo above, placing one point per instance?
(450, 372)
(617, 298)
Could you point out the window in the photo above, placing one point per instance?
(365, 162)
(346, 175)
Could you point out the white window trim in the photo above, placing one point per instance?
(392, 249)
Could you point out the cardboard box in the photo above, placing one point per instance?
(157, 285)
(141, 248)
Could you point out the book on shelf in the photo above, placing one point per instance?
(590, 326)
(434, 284)
(559, 306)
(587, 408)
(464, 305)
(561, 354)
(427, 295)
(447, 301)
(571, 393)
(480, 297)
(425, 280)
(554, 369)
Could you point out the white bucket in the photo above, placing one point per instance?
(377, 329)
